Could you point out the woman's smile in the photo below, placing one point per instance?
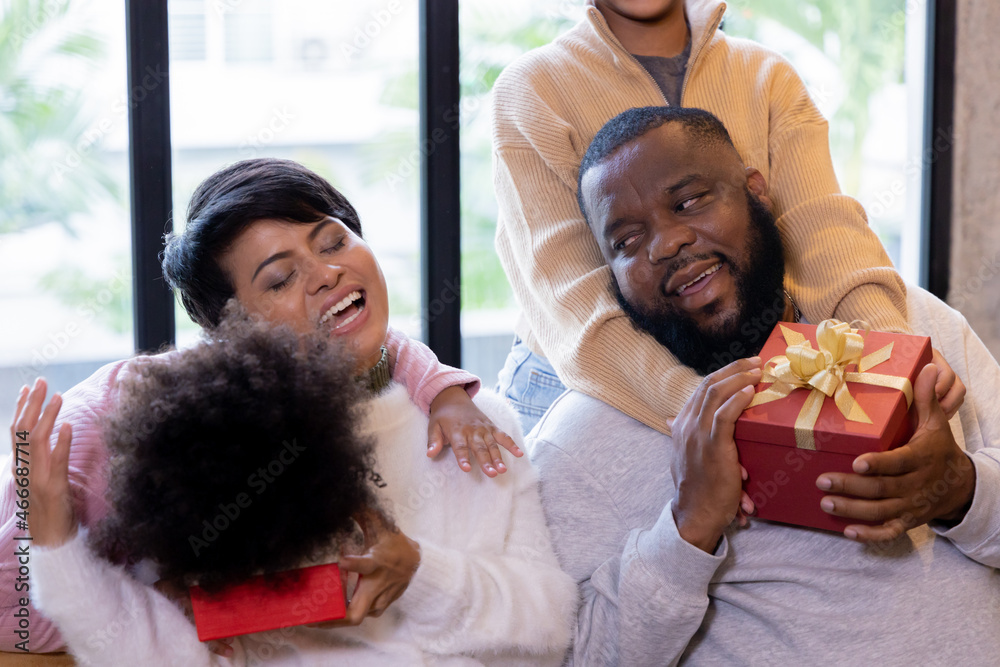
(344, 313)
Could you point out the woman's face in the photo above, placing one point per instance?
(313, 276)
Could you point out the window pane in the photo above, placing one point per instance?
(65, 267)
(863, 64)
(186, 29)
(492, 35)
(248, 32)
(337, 91)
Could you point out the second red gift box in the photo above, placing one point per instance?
(829, 394)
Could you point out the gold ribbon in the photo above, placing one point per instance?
(824, 373)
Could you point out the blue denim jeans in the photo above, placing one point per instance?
(529, 383)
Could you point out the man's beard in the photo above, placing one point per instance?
(760, 302)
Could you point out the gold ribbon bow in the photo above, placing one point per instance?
(824, 372)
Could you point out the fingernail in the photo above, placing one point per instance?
(826, 504)
(824, 483)
(754, 360)
(850, 533)
(490, 469)
(861, 465)
(501, 467)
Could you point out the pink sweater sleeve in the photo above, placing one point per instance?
(83, 407)
(416, 367)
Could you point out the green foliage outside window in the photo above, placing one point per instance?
(49, 169)
(50, 164)
(865, 40)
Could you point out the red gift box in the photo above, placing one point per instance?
(783, 462)
(315, 596)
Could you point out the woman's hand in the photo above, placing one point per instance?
(49, 506)
(456, 420)
(386, 566)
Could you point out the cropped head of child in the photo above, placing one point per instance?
(239, 456)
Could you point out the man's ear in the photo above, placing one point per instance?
(758, 185)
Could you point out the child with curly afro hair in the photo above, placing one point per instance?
(237, 456)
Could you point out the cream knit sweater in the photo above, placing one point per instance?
(550, 103)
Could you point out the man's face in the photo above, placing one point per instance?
(694, 252)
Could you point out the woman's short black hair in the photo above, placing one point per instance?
(227, 203)
(241, 455)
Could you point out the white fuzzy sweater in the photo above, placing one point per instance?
(488, 590)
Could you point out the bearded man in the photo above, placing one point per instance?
(653, 527)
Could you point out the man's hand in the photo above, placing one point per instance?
(705, 465)
(456, 420)
(948, 387)
(928, 478)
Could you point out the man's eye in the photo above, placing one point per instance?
(626, 242)
(691, 201)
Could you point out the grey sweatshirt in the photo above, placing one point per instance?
(771, 593)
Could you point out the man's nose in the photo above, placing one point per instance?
(668, 239)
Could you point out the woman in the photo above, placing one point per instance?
(475, 586)
(219, 211)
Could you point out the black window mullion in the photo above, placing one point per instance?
(440, 198)
(939, 128)
(149, 168)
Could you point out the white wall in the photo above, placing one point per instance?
(975, 259)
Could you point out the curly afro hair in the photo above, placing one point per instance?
(238, 456)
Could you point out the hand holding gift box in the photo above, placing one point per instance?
(827, 396)
(929, 478)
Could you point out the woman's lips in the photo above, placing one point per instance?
(350, 319)
(349, 315)
(347, 307)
